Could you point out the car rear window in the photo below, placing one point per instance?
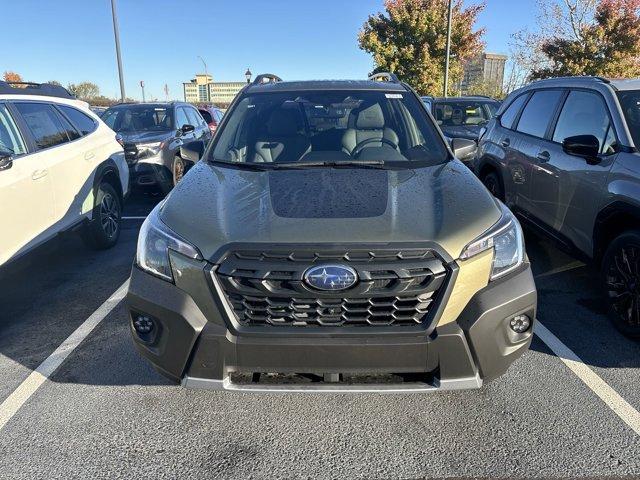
(44, 123)
(510, 114)
(538, 112)
(206, 115)
(83, 123)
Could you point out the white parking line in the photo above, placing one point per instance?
(608, 395)
(20, 395)
(133, 218)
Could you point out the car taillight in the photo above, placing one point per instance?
(119, 139)
(212, 127)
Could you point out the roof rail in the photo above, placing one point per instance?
(31, 88)
(384, 77)
(269, 77)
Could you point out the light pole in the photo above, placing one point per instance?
(205, 65)
(142, 86)
(247, 75)
(446, 61)
(116, 34)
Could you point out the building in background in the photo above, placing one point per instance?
(484, 72)
(202, 89)
(197, 90)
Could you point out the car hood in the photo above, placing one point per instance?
(144, 137)
(213, 206)
(471, 132)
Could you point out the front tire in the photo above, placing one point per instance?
(104, 229)
(493, 184)
(621, 278)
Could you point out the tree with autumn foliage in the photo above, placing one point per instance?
(409, 39)
(582, 37)
(11, 77)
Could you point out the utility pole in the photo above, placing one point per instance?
(116, 34)
(142, 86)
(166, 92)
(446, 62)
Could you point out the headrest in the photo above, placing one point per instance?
(283, 122)
(371, 118)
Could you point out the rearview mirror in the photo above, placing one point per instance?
(463, 149)
(586, 146)
(192, 151)
(6, 162)
(187, 128)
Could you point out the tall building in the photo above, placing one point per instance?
(487, 68)
(197, 90)
(202, 89)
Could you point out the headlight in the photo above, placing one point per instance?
(149, 149)
(154, 242)
(507, 242)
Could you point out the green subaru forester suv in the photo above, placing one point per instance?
(329, 240)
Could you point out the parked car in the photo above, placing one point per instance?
(61, 169)
(463, 117)
(563, 153)
(99, 111)
(328, 234)
(152, 134)
(213, 117)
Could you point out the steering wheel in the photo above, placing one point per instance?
(360, 146)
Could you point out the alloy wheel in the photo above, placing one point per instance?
(623, 284)
(109, 215)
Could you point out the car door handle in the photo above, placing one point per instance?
(39, 174)
(544, 156)
(89, 155)
(505, 143)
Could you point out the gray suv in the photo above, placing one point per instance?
(152, 134)
(330, 240)
(562, 153)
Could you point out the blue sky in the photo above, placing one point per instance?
(72, 40)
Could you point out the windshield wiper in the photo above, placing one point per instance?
(332, 164)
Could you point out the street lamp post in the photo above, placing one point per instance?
(248, 75)
(205, 65)
(446, 61)
(142, 86)
(116, 34)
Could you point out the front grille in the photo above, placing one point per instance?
(396, 287)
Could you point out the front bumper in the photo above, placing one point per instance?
(192, 342)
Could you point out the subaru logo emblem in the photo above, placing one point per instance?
(331, 277)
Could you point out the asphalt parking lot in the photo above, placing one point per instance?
(106, 413)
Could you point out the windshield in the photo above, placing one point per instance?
(329, 126)
(630, 103)
(454, 114)
(139, 118)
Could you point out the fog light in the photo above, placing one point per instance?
(143, 324)
(520, 323)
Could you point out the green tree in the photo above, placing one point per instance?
(84, 90)
(590, 37)
(409, 39)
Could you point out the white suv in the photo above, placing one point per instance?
(61, 168)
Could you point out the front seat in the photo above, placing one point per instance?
(369, 123)
(282, 142)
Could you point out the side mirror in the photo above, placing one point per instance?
(187, 128)
(192, 151)
(6, 162)
(464, 149)
(586, 146)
